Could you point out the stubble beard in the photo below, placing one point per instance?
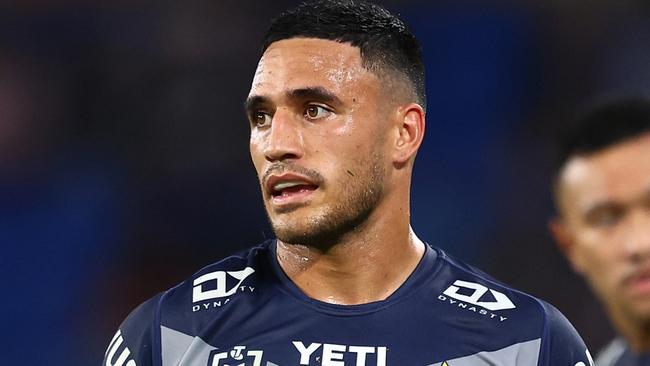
(637, 314)
(361, 194)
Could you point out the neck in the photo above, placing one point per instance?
(363, 266)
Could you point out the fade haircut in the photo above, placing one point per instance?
(385, 42)
(600, 127)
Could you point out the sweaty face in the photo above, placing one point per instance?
(316, 138)
(605, 200)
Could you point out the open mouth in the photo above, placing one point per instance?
(291, 188)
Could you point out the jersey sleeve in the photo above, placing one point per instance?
(561, 343)
(134, 342)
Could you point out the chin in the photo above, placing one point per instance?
(642, 309)
(318, 231)
(633, 309)
(296, 229)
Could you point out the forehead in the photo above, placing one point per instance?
(620, 172)
(306, 62)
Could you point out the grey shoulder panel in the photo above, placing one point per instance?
(520, 354)
(181, 349)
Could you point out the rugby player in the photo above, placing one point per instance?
(337, 114)
(602, 190)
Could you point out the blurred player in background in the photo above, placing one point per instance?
(602, 190)
(337, 114)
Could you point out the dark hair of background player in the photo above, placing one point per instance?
(385, 42)
(602, 126)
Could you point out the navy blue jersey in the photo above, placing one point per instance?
(245, 311)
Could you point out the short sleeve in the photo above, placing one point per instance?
(134, 342)
(561, 343)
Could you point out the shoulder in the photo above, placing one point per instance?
(133, 343)
(218, 284)
(561, 343)
(467, 283)
(522, 316)
(139, 337)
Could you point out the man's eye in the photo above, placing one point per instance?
(260, 119)
(605, 217)
(315, 112)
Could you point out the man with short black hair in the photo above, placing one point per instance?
(602, 192)
(337, 114)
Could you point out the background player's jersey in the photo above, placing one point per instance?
(618, 353)
(244, 311)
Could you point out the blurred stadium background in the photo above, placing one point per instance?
(124, 160)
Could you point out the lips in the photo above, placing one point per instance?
(639, 282)
(287, 189)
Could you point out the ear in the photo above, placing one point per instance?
(410, 132)
(565, 241)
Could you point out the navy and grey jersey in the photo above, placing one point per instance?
(245, 311)
(618, 353)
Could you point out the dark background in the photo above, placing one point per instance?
(124, 160)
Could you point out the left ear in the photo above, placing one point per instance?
(410, 132)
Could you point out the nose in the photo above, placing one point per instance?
(638, 235)
(285, 137)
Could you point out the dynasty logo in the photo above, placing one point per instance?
(218, 285)
(477, 298)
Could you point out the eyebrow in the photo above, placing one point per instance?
(254, 101)
(605, 205)
(316, 93)
(609, 204)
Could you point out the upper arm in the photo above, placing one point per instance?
(561, 343)
(134, 342)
